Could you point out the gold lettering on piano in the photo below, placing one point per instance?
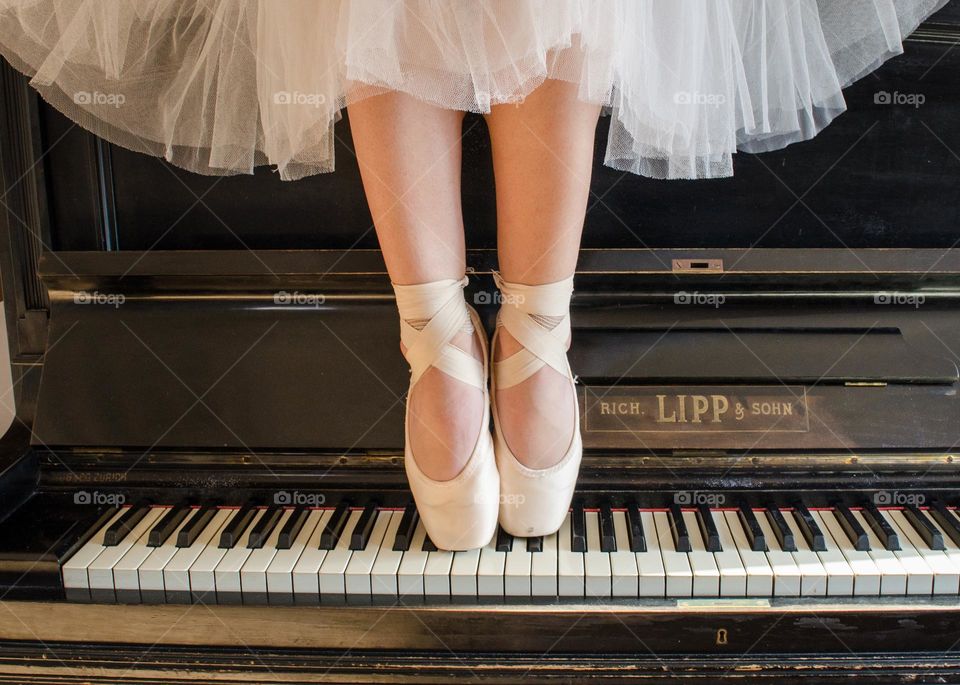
(638, 409)
(620, 408)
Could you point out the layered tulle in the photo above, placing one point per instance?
(221, 86)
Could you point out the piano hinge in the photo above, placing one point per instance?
(865, 384)
(710, 266)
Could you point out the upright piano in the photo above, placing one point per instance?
(204, 478)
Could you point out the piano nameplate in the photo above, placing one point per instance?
(697, 409)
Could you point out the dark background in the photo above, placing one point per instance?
(880, 176)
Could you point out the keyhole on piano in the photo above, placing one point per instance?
(722, 636)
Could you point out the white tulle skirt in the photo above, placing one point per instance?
(221, 86)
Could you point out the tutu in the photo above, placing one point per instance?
(221, 86)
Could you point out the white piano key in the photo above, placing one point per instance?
(755, 564)
(839, 575)
(149, 571)
(919, 574)
(463, 573)
(596, 563)
(280, 571)
(651, 574)
(946, 576)
(813, 576)
(412, 566)
(436, 574)
(676, 565)
(786, 575)
(76, 583)
(490, 570)
(253, 573)
(359, 581)
(100, 570)
(126, 579)
(543, 568)
(226, 575)
(203, 583)
(952, 550)
(306, 572)
(733, 576)
(176, 573)
(383, 576)
(625, 577)
(866, 575)
(893, 576)
(703, 565)
(517, 569)
(332, 585)
(570, 569)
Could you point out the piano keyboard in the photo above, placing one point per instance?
(285, 555)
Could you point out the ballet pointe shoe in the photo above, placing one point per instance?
(460, 513)
(534, 501)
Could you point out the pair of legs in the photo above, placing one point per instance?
(409, 154)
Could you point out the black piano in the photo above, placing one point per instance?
(204, 478)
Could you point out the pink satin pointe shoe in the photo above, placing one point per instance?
(460, 513)
(534, 501)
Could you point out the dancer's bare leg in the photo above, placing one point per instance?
(542, 158)
(409, 154)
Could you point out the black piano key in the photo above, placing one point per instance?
(755, 534)
(406, 529)
(751, 526)
(535, 544)
(928, 531)
(123, 525)
(947, 520)
(264, 527)
(428, 545)
(335, 525)
(638, 541)
(781, 529)
(361, 532)
(169, 522)
(708, 529)
(608, 536)
(809, 528)
(231, 534)
(504, 540)
(190, 532)
(578, 528)
(878, 522)
(291, 529)
(851, 526)
(678, 528)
